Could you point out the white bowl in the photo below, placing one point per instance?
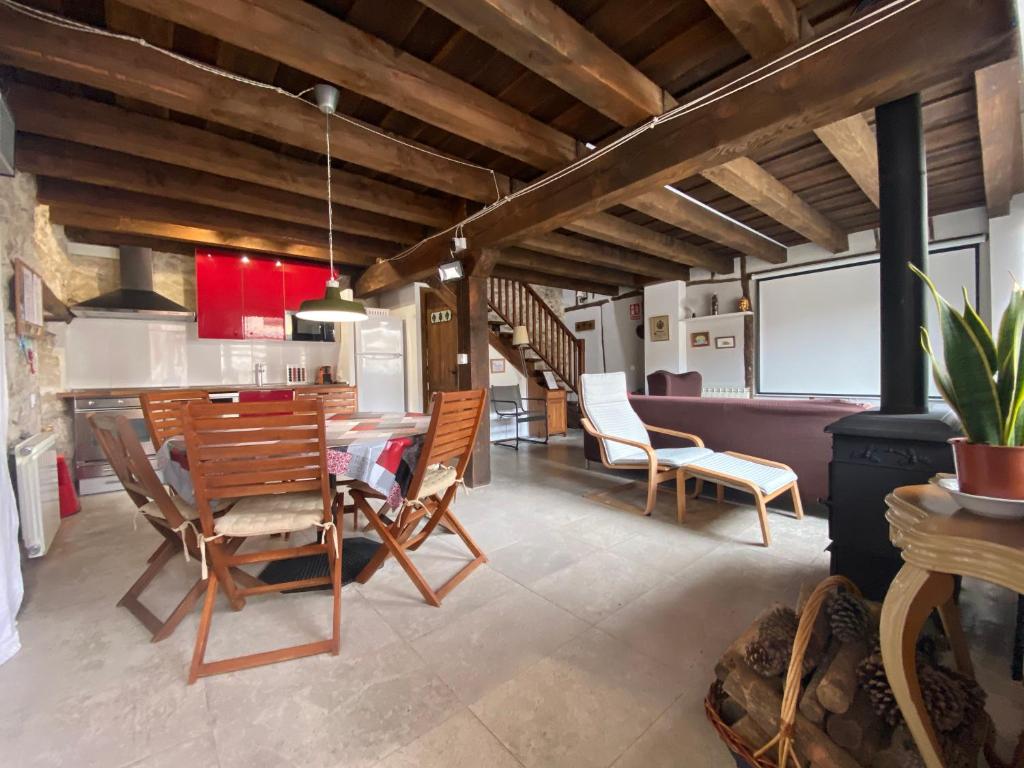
(987, 506)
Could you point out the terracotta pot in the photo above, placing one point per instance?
(989, 470)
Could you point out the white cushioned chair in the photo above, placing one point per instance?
(625, 444)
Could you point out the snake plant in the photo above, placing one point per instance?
(982, 378)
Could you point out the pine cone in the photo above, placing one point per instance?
(849, 617)
(768, 654)
(974, 695)
(944, 697)
(872, 679)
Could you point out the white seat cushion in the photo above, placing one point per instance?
(671, 457)
(768, 478)
(436, 479)
(605, 401)
(263, 515)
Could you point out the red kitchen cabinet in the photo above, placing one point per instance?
(219, 294)
(303, 281)
(262, 298)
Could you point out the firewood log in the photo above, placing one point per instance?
(901, 752)
(764, 704)
(750, 733)
(731, 711)
(858, 730)
(839, 683)
(810, 707)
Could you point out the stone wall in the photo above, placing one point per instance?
(27, 234)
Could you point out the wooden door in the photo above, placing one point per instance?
(440, 346)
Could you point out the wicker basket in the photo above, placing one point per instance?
(779, 750)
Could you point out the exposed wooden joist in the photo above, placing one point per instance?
(667, 206)
(852, 143)
(542, 262)
(539, 278)
(574, 249)
(126, 69)
(155, 31)
(831, 81)
(542, 37)
(90, 165)
(84, 121)
(746, 180)
(349, 57)
(545, 35)
(997, 90)
(132, 207)
(302, 36)
(763, 27)
(612, 229)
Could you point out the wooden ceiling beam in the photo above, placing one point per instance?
(833, 79)
(585, 252)
(997, 90)
(540, 32)
(745, 179)
(90, 165)
(85, 199)
(84, 121)
(541, 36)
(763, 27)
(125, 68)
(311, 40)
(612, 229)
(522, 258)
(852, 143)
(155, 31)
(539, 278)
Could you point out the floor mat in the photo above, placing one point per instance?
(355, 554)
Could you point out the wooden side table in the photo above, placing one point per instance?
(554, 406)
(939, 540)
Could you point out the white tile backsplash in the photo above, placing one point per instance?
(102, 353)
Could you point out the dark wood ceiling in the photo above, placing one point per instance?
(679, 44)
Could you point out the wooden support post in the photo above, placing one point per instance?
(748, 330)
(473, 339)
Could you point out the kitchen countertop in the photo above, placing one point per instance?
(136, 391)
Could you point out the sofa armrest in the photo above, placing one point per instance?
(674, 433)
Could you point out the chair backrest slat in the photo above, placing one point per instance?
(506, 399)
(120, 444)
(237, 450)
(337, 400)
(163, 411)
(604, 399)
(454, 421)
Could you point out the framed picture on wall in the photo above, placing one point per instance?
(700, 339)
(497, 366)
(585, 325)
(659, 328)
(725, 342)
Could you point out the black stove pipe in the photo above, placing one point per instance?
(903, 209)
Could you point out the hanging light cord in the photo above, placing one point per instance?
(330, 208)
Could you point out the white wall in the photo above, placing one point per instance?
(1006, 256)
(509, 377)
(719, 368)
(613, 345)
(665, 299)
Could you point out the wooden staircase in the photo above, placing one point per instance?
(553, 347)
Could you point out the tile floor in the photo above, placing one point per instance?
(589, 640)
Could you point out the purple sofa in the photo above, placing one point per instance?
(668, 384)
(790, 431)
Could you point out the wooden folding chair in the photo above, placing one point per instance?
(172, 518)
(163, 412)
(454, 421)
(338, 400)
(270, 459)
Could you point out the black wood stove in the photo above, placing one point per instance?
(904, 442)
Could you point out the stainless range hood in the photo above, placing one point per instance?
(135, 299)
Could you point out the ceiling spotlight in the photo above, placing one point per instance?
(451, 270)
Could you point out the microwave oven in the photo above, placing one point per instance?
(297, 329)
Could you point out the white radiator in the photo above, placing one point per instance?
(35, 464)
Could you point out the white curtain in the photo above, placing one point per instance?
(11, 588)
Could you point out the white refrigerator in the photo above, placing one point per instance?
(380, 364)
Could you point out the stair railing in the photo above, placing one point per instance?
(517, 303)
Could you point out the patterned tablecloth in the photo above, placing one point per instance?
(379, 449)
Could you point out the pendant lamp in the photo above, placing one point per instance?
(333, 307)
